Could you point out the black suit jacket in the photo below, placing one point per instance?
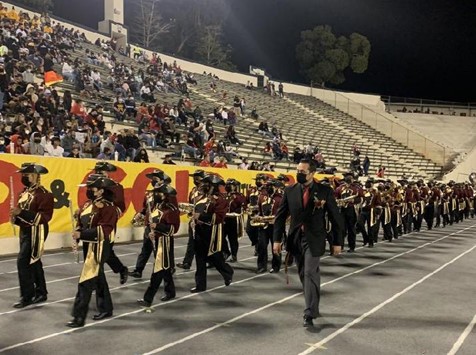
(311, 217)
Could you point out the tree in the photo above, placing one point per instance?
(324, 58)
(211, 51)
(148, 24)
(41, 5)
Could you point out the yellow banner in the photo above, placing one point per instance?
(65, 174)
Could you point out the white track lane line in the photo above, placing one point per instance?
(72, 277)
(383, 304)
(61, 264)
(70, 252)
(462, 337)
(136, 283)
(49, 336)
(219, 325)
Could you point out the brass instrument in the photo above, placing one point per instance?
(342, 202)
(261, 221)
(12, 204)
(186, 208)
(138, 220)
(74, 220)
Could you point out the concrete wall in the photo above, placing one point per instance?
(461, 172)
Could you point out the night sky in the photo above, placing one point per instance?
(419, 48)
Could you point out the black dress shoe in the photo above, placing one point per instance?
(273, 271)
(124, 275)
(196, 290)
(75, 323)
(261, 270)
(184, 266)
(22, 303)
(39, 299)
(351, 250)
(143, 303)
(136, 274)
(228, 282)
(102, 315)
(307, 321)
(166, 298)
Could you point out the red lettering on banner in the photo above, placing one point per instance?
(181, 185)
(9, 169)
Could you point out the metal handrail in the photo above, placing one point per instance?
(431, 150)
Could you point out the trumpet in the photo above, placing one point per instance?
(138, 220)
(344, 201)
(186, 208)
(261, 221)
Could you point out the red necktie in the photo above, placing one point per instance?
(305, 196)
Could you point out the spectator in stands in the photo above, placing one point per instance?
(298, 155)
(244, 164)
(242, 106)
(105, 155)
(75, 153)
(168, 160)
(264, 129)
(254, 166)
(221, 163)
(55, 149)
(268, 149)
(355, 150)
(281, 90)
(205, 162)
(78, 110)
(381, 172)
(146, 93)
(67, 100)
(35, 147)
(224, 116)
(190, 147)
(229, 153)
(366, 165)
(231, 136)
(119, 109)
(169, 130)
(131, 110)
(141, 156)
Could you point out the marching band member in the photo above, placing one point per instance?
(233, 226)
(157, 178)
(97, 220)
(117, 192)
(193, 197)
(368, 214)
(32, 214)
(208, 217)
(164, 218)
(348, 195)
(268, 207)
(253, 197)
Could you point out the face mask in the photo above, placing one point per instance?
(196, 182)
(228, 188)
(90, 194)
(206, 189)
(37, 140)
(348, 180)
(158, 198)
(259, 184)
(368, 185)
(301, 178)
(25, 181)
(270, 190)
